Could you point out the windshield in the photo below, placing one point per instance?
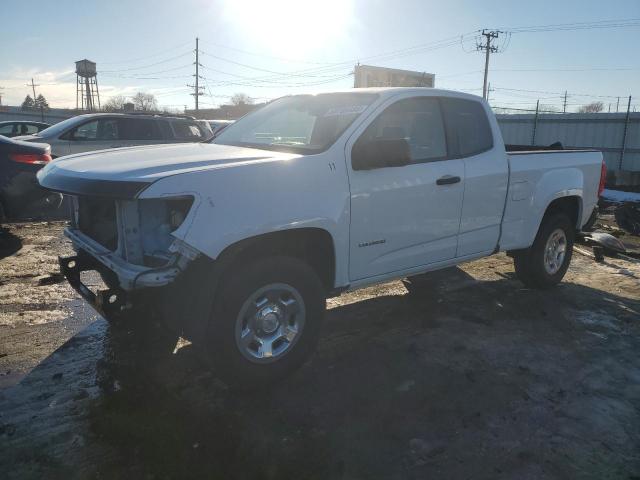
(60, 127)
(300, 124)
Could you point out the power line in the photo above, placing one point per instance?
(286, 74)
(555, 93)
(387, 56)
(133, 60)
(622, 23)
(132, 75)
(282, 59)
(274, 82)
(281, 85)
(147, 66)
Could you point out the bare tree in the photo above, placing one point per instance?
(593, 107)
(145, 101)
(241, 99)
(115, 103)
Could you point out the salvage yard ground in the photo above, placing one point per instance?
(480, 379)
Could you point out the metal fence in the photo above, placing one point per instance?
(617, 135)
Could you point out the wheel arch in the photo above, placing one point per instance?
(314, 245)
(570, 205)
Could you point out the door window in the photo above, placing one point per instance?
(468, 128)
(140, 129)
(29, 129)
(8, 129)
(416, 120)
(103, 129)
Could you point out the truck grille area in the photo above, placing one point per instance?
(97, 219)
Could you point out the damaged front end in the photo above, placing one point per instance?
(129, 242)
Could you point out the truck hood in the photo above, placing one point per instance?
(123, 172)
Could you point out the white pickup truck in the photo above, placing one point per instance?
(246, 236)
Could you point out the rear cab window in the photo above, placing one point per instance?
(468, 129)
(187, 130)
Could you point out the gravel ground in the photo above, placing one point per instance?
(481, 378)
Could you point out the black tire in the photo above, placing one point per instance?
(3, 213)
(530, 263)
(588, 227)
(221, 347)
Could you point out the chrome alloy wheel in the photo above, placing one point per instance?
(555, 251)
(270, 323)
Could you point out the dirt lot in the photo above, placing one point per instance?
(479, 379)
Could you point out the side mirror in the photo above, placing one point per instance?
(380, 154)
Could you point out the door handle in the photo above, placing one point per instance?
(115, 146)
(447, 180)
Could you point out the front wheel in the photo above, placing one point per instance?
(545, 263)
(266, 321)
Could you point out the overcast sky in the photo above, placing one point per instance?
(271, 48)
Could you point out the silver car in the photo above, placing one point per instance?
(99, 131)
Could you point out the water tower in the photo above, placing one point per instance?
(87, 96)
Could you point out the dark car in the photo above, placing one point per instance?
(20, 193)
(13, 128)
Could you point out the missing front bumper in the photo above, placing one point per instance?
(108, 302)
(130, 276)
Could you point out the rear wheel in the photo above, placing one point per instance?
(3, 212)
(545, 263)
(266, 321)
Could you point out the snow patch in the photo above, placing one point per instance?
(619, 196)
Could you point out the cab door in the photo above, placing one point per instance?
(471, 138)
(404, 216)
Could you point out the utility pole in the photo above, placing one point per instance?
(488, 50)
(489, 90)
(617, 104)
(564, 105)
(33, 86)
(624, 135)
(535, 123)
(196, 93)
(1, 89)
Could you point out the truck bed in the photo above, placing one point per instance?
(535, 177)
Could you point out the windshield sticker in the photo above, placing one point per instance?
(345, 110)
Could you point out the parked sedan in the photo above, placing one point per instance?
(100, 131)
(20, 193)
(13, 128)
